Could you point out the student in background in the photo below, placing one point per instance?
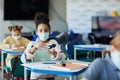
(15, 41)
(107, 68)
(40, 50)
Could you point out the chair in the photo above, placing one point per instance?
(93, 54)
(62, 38)
(34, 36)
(53, 34)
(91, 38)
(18, 69)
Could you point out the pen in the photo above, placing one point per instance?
(49, 62)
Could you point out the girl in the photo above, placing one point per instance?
(15, 41)
(38, 50)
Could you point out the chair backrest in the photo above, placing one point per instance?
(53, 34)
(91, 38)
(34, 36)
(62, 38)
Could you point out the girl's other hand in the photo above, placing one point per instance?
(52, 52)
(14, 46)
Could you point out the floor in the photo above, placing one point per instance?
(57, 78)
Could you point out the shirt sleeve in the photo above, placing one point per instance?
(5, 41)
(60, 54)
(26, 55)
(26, 41)
(57, 48)
(94, 70)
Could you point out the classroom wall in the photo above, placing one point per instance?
(57, 13)
(80, 13)
(84, 10)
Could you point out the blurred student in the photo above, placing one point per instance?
(40, 50)
(15, 41)
(107, 68)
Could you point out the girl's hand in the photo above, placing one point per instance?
(37, 46)
(12, 46)
(52, 52)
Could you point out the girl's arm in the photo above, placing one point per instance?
(28, 53)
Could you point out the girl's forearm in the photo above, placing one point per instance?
(32, 50)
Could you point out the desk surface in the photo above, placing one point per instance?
(10, 51)
(48, 69)
(97, 47)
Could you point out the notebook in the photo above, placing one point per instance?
(69, 66)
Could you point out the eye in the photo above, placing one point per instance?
(46, 30)
(40, 30)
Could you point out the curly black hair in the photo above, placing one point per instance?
(41, 18)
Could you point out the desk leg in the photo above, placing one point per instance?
(76, 77)
(94, 54)
(73, 77)
(25, 73)
(2, 64)
(103, 56)
(75, 53)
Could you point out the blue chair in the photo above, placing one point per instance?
(53, 34)
(91, 38)
(34, 36)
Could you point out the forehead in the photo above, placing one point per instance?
(16, 30)
(43, 27)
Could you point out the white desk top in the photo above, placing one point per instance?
(11, 51)
(42, 66)
(102, 46)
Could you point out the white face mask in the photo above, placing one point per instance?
(16, 37)
(43, 36)
(115, 55)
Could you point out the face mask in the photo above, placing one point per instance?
(115, 55)
(16, 37)
(43, 36)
